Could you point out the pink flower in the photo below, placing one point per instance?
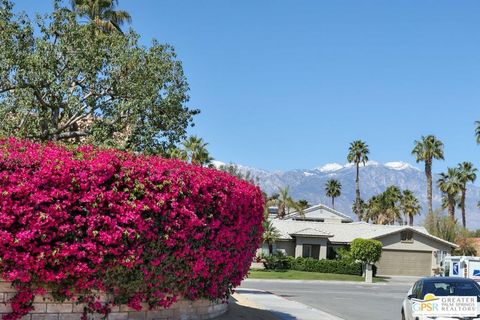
(88, 220)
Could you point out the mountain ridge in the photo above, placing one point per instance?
(375, 177)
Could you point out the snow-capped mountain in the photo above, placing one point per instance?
(375, 177)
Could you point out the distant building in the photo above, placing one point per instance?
(321, 230)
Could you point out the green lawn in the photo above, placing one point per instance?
(303, 275)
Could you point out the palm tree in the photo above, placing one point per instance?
(284, 203)
(333, 189)
(303, 204)
(270, 235)
(477, 131)
(410, 206)
(426, 149)
(374, 210)
(384, 208)
(102, 14)
(391, 199)
(176, 153)
(196, 150)
(466, 173)
(358, 153)
(362, 209)
(450, 185)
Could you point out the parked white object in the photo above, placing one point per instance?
(451, 266)
(462, 267)
(427, 290)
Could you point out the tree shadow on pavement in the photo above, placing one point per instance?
(241, 312)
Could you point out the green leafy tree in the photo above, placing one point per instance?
(333, 189)
(234, 170)
(102, 14)
(410, 206)
(358, 153)
(450, 184)
(366, 250)
(474, 233)
(426, 149)
(466, 173)
(466, 245)
(59, 83)
(439, 225)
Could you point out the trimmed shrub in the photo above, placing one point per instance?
(141, 228)
(366, 250)
(343, 253)
(326, 266)
(276, 261)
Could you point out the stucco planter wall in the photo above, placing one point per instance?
(48, 309)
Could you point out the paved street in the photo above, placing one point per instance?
(250, 304)
(350, 301)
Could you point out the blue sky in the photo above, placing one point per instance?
(289, 84)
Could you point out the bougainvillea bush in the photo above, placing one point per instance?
(142, 229)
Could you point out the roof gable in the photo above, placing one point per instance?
(422, 231)
(311, 232)
(320, 212)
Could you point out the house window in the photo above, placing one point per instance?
(406, 236)
(311, 251)
(307, 251)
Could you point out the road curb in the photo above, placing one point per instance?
(320, 281)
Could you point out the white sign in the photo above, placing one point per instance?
(446, 306)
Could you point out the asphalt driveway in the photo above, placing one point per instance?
(350, 301)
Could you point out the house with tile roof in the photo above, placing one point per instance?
(320, 231)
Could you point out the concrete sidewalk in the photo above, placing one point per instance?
(263, 305)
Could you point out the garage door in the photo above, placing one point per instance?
(407, 263)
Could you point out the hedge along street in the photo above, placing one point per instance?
(143, 229)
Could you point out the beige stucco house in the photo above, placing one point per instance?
(320, 230)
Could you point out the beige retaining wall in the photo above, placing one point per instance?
(47, 309)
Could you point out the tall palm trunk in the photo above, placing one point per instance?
(357, 191)
(281, 211)
(428, 173)
(451, 206)
(462, 204)
(270, 248)
(410, 219)
(333, 202)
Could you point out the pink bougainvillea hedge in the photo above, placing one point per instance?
(139, 228)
